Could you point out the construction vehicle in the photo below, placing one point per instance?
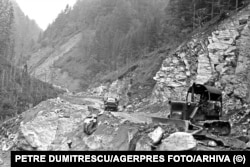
(111, 103)
(202, 108)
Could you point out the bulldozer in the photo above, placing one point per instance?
(202, 109)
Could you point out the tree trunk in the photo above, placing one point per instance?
(194, 16)
(237, 5)
(3, 77)
(212, 9)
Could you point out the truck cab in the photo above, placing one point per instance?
(111, 103)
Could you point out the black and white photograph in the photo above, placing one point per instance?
(124, 82)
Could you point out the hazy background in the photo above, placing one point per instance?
(43, 11)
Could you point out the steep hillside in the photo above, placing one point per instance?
(218, 57)
(95, 38)
(42, 64)
(19, 91)
(24, 44)
(96, 42)
(216, 54)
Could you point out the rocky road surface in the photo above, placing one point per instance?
(80, 123)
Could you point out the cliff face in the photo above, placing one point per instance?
(219, 58)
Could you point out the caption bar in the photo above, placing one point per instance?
(60, 158)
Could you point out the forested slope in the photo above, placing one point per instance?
(97, 41)
(18, 91)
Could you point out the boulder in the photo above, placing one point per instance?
(229, 89)
(188, 73)
(243, 138)
(248, 145)
(178, 141)
(212, 143)
(40, 132)
(230, 50)
(218, 46)
(156, 135)
(214, 58)
(220, 68)
(175, 60)
(234, 143)
(241, 91)
(144, 144)
(48, 131)
(241, 66)
(181, 76)
(225, 34)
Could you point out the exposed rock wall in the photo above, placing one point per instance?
(219, 59)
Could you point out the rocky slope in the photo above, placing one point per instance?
(41, 64)
(79, 123)
(219, 57)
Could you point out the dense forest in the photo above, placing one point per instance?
(18, 91)
(6, 22)
(118, 33)
(24, 43)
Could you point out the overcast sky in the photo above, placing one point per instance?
(43, 11)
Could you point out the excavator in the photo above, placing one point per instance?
(201, 111)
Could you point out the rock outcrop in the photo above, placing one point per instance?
(218, 58)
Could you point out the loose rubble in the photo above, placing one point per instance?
(218, 57)
(58, 124)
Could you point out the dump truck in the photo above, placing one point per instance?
(202, 108)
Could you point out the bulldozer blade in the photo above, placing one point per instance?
(182, 125)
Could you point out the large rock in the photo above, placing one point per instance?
(179, 141)
(217, 46)
(144, 144)
(156, 135)
(214, 58)
(59, 125)
(248, 145)
(52, 123)
(230, 50)
(229, 89)
(241, 91)
(204, 72)
(241, 64)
